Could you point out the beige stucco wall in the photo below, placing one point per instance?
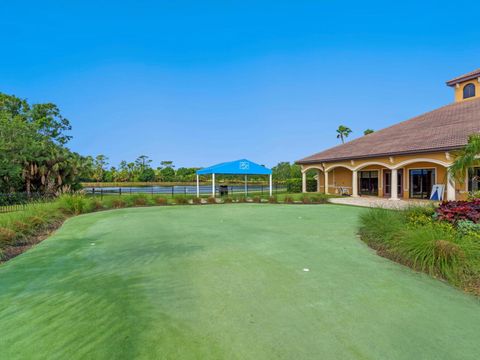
(459, 90)
(340, 173)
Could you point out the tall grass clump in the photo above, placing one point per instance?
(74, 204)
(416, 238)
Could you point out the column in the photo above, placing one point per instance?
(326, 181)
(394, 185)
(270, 184)
(198, 186)
(318, 180)
(450, 186)
(355, 183)
(213, 185)
(304, 182)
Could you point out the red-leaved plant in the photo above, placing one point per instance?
(454, 211)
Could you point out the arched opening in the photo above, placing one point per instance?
(340, 180)
(420, 175)
(469, 91)
(313, 180)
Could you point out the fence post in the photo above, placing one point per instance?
(172, 191)
(262, 189)
(101, 194)
(93, 192)
(184, 191)
(119, 191)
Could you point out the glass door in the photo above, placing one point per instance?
(368, 182)
(387, 183)
(421, 183)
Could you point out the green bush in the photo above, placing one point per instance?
(413, 238)
(160, 200)
(295, 185)
(181, 200)
(288, 199)
(211, 200)
(73, 204)
(196, 201)
(468, 228)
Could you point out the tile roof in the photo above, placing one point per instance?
(468, 76)
(446, 128)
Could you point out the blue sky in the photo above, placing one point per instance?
(200, 82)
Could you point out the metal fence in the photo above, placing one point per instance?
(187, 190)
(20, 201)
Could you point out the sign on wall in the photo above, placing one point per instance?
(437, 192)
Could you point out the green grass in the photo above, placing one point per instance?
(412, 237)
(225, 282)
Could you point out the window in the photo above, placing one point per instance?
(468, 91)
(474, 179)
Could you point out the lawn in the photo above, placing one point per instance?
(225, 282)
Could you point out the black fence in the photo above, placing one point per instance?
(187, 190)
(20, 201)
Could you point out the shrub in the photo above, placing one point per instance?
(160, 200)
(288, 199)
(7, 236)
(306, 199)
(96, 204)
(474, 195)
(241, 199)
(73, 204)
(139, 200)
(295, 185)
(273, 200)
(454, 211)
(196, 201)
(434, 247)
(211, 200)
(118, 203)
(227, 200)
(468, 228)
(257, 199)
(181, 200)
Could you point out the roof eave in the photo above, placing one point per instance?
(316, 161)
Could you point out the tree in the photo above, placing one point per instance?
(167, 174)
(343, 132)
(167, 163)
(33, 156)
(284, 171)
(100, 164)
(368, 131)
(466, 158)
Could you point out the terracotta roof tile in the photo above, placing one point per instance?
(446, 128)
(471, 75)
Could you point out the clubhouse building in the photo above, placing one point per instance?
(404, 160)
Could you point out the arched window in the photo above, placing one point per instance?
(468, 91)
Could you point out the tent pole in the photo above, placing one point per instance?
(198, 186)
(246, 186)
(270, 183)
(213, 185)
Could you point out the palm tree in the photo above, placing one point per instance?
(466, 158)
(368, 131)
(343, 132)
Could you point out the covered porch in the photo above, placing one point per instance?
(390, 178)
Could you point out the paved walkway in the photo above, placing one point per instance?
(367, 201)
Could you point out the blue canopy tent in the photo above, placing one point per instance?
(238, 167)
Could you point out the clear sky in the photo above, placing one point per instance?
(200, 82)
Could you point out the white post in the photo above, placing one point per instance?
(318, 180)
(198, 186)
(394, 185)
(450, 186)
(355, 183)
(246, 185)
(304, 182)
(326, 181)
(270, 184)
(213, 185)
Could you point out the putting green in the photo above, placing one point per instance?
(225, 282)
